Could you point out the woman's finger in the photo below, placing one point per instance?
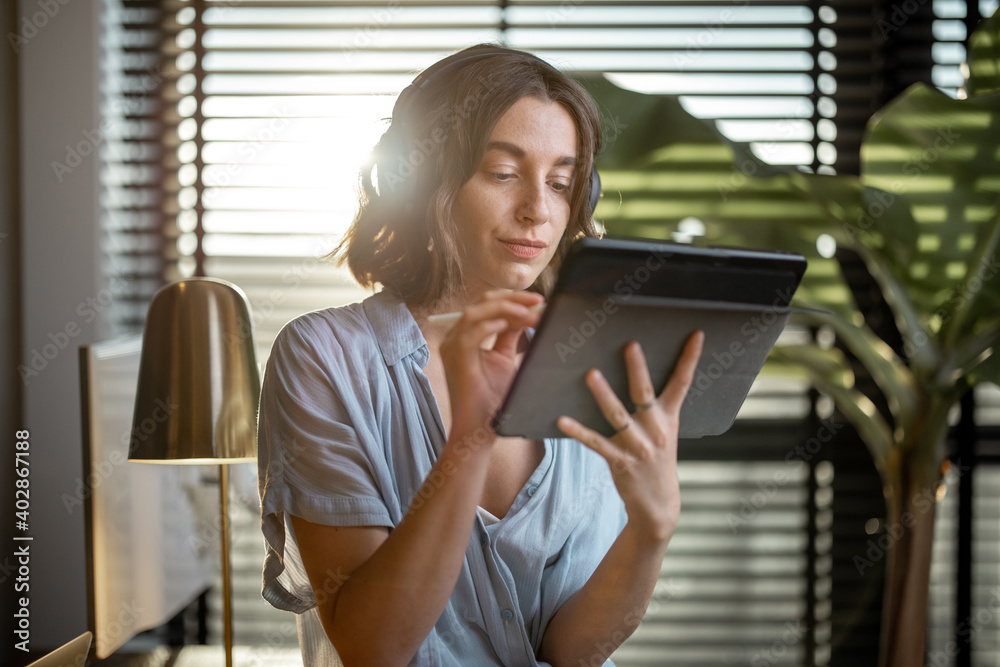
(680, 380)
(517, 315)
(508, 340)
(493, 298)
(609, 403)
(640, 386)
(474, 335)
(516, 311)
(527, 298)
(615, 456)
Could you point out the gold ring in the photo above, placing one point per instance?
(645, 406)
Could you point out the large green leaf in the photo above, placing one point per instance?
(886, 368)
(936, 161)
(661, 167)
(978, 356)
(638, 127)
(920, 346)
(980, 279)
(989, 369)
(984, 56)
(828, 372)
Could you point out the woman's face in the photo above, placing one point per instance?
(513, 211)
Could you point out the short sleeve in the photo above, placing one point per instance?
(317, 443)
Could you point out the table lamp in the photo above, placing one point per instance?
(198, 358)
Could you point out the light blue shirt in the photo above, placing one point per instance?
(349, 429)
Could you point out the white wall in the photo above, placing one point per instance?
(59, 103)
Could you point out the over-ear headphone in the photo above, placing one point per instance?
(423, 80)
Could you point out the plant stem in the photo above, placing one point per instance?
(910, 486)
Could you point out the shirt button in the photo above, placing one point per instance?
(484, 539)
(507, 614)
(531, 490)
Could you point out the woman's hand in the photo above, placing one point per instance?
(642, 453)
(478, 368)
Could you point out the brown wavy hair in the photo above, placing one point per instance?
(404, 236)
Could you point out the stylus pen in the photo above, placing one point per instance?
(443, 319)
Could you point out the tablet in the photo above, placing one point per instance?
(613, 291)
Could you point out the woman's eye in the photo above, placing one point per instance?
(502, 176)
(559, 187)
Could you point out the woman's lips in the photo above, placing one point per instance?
(524, 249)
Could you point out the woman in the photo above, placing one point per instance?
(399, 526)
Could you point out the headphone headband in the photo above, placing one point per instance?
(462, 57)
(454, 61)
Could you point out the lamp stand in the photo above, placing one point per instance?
(227, 611)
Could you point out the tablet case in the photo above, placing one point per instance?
(594, 313)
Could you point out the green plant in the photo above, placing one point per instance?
(924, 215)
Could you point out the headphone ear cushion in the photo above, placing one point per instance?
(380, 159)
(390, 146)
(595, 189)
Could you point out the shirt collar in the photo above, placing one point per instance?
(396, 331)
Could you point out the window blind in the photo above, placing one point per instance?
(130, 144)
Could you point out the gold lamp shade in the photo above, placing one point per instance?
(199, 388)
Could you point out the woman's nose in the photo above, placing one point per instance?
(534, 205)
